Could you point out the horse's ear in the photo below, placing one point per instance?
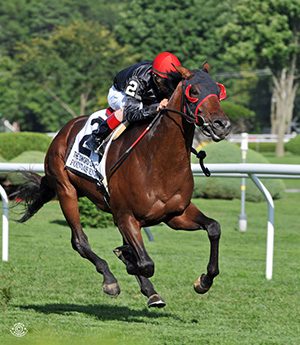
(186, 73)
(206, 67)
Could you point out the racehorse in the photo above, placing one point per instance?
(153, 184)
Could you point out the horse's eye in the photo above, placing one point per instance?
(193, 92)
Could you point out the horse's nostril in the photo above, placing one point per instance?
(219, 124)
(222, 124)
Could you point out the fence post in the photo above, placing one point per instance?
(270, 227)
(5, 228)
(149, 234)
(243, 216)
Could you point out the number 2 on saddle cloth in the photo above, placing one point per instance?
(83, 148)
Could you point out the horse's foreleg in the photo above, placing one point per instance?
(67, 196)
(193, 219)
(131, 232)
(127, 256)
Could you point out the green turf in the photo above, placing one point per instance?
(57, 295)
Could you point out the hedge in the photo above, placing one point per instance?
(24, 157)
(13, 144)
(236, 111)
(91, 216)
(229, 188)
(262, 147)
(293, 145)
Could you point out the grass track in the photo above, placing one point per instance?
(57, 295)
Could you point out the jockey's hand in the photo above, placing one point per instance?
(163, 104)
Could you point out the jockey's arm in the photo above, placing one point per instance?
(135, 111)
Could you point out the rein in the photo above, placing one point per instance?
(131, 147)
(192, 118)
(201, 154)
(189, 118)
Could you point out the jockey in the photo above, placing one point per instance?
(138, 92)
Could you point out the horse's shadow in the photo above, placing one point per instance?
(103, 312)
(61, 222)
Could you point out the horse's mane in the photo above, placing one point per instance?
(172, 81)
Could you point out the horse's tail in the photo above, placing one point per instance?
(34, 192)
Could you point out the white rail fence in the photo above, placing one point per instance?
(260, 138)
(253, 171)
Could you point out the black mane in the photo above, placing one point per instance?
(172, 81)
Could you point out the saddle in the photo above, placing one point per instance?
(88, 163)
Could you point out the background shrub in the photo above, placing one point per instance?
(91, 216)
(29, 157)
(25, 157)
(262, 147)
(240, 116)
(236, 111)
(13, 144)
(293, 145)
(229, 188)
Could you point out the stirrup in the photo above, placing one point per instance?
(98, 148)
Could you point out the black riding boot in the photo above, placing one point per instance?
(98, 135)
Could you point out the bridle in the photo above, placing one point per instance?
(197, 117)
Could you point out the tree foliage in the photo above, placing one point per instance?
(267, 34)
(69, 70)
(8, 86)
(22, 20)
(58, 58)
(184, 27)
(262, 33)
(190, 29)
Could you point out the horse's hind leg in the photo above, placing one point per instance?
(67, 196)
(127, 256)
(193, 219)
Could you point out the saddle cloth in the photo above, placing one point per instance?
(81, 160)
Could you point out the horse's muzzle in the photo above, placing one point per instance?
(217, 129)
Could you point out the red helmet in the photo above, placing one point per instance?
(163, 63)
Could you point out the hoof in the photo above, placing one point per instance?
(155, 301)
(198, 285)
(111, 289)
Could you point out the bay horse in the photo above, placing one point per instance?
(153, 184)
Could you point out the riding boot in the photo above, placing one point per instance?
(102, 132)
(98, 135)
